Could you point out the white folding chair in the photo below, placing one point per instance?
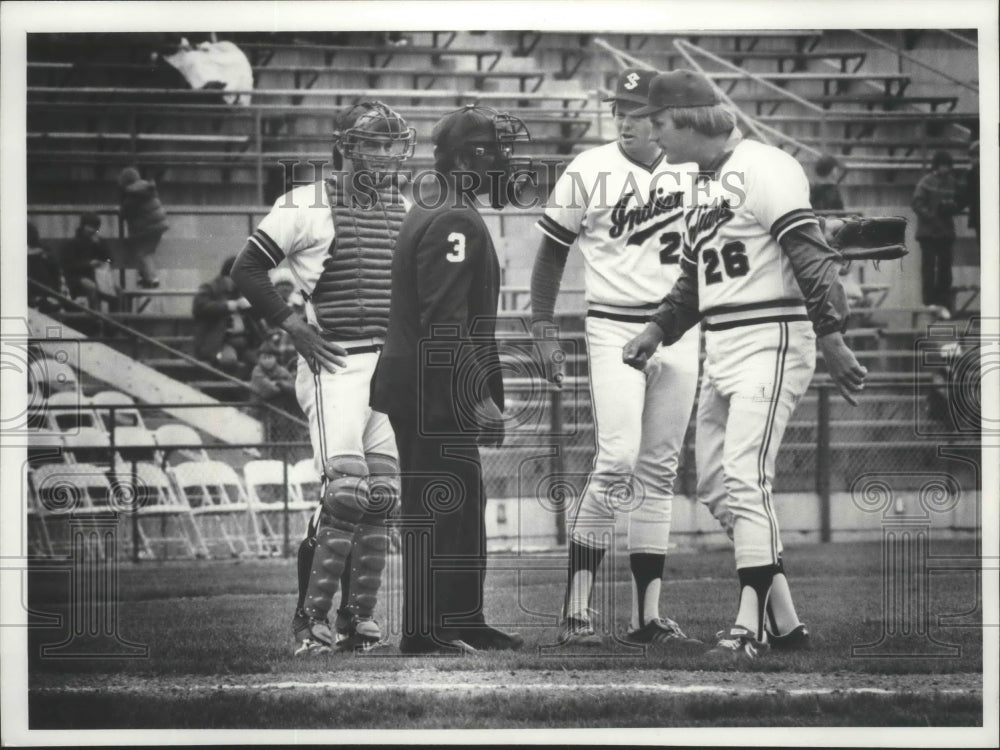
(264, 480)
(164, 517)
(303, 475)
(46, 447)
(88, 445)
(220, 506)
(135, 443)
(176, 433)
(62, 419)
(124, 416)
(66, 491)
(39, 542)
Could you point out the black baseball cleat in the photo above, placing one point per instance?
(797, 639)
(487, 638)
(422, 645)
(662, 632)
(738, 644)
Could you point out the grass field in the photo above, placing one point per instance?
(220, 653)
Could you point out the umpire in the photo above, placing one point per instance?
(439, 380)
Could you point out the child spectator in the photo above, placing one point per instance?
(270, 381)
(145, 219)
(274, 385)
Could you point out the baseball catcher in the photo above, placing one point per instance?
(337, 237)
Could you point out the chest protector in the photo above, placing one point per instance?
(351, 297)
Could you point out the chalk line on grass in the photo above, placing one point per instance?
(471, 682)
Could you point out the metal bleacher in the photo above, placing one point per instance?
(881, 116)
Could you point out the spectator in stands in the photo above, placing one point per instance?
(971, 195)
(86, 263)
(225, 334)
(274, 385)
(44, 269)
(824, 193)
(145, 219)
(935, 202)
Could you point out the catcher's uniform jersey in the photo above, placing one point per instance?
(733, 228)
(627, 220)
(300, 229)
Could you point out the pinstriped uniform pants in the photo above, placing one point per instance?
(754, 377)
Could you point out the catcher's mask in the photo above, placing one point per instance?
(488, 136)
(374, 137)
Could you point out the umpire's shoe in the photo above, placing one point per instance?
(738, 644)
(311, 636)
(362, 636)
(577, 630)
(487, 638)
(662, 632)
(797, 639)
(418, 644)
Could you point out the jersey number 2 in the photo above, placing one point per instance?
(734, 262)
(457, 254)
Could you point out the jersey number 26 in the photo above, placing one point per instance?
(734, 262)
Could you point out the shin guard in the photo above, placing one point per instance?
(345, 499)
(371, 540)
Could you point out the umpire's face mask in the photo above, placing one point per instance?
(506, 176)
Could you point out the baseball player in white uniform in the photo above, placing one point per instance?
(758, 273)
(621, 206)
(337, 237)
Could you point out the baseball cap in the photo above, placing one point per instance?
(679, 88)
(632, 86)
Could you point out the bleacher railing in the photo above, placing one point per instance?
(820, 442)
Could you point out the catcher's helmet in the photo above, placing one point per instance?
(373, 134)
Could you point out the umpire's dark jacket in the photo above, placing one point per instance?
(440, 355)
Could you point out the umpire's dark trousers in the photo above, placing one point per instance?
(442, 530)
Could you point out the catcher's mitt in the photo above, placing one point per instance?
(859, 238)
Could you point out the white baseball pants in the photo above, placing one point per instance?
(640, 419)
(341, 423)
(754, 377)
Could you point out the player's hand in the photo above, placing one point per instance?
(552, 357)
(843, 366)
(317, 352)
(489, 419)
(636, 353)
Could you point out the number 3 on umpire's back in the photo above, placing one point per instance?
(457, 254)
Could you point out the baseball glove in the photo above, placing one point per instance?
(860, 238)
